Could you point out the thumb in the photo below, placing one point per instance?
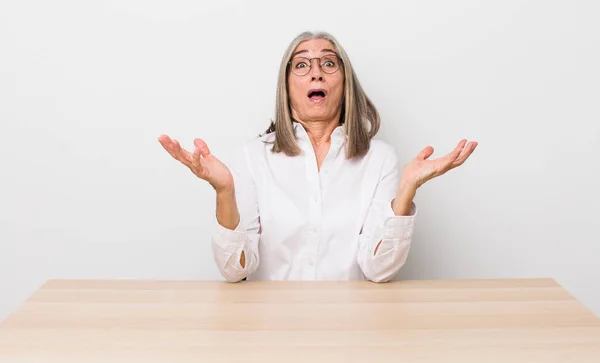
(425, 153)
(201, 145)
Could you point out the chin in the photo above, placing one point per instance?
(320, 116)
(320, 113)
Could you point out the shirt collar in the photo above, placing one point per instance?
(338, 136)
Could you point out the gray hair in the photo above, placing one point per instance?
(358, 113)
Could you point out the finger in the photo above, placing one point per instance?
(185, 156)
(449, 158)
(446, 162)
(196, 162)
(465, 155)
(201, 145)
(169, 146)
(458, 149)
(425, 153)
(165, 141)
(179, 154)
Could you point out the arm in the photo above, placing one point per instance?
(402, 203)
(237, 235)
(235, 242)
(385, 239)
(228, 215)
(390, 226)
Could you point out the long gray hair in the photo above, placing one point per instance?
(358, 113)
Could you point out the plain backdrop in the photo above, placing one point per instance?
(87, 87)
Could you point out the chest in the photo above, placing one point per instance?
(295, 194)
(320, 154)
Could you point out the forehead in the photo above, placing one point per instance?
(314, 47)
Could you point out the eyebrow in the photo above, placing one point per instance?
(306, 51)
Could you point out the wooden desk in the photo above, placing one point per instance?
(518, 320)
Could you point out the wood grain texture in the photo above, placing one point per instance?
(505, 320)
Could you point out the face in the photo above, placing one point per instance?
(316, 96)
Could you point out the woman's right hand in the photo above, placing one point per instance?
(201, 162)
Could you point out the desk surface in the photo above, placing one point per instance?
(515, 320)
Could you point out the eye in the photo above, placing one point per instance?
(329, 62)
(299, 63)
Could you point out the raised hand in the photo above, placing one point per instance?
(420, 170)
(201, 162)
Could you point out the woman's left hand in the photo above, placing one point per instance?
(420, 170)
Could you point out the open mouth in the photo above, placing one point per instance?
(317, 94)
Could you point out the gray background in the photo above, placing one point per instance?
(87, 87)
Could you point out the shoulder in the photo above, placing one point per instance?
(258, 145)
(381, 150)
(251, 149)
(380, 146)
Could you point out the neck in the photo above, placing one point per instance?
(319, 132)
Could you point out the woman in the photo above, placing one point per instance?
(316, 197)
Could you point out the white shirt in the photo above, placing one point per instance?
(297, 223)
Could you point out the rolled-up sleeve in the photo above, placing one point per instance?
(382, 225)
(228, 245)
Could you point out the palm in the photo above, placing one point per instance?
(216, 172)
(420, 170)
(201, 162)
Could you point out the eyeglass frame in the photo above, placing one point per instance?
(310, 62)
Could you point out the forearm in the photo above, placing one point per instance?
(402, 203)
(386, 235)
(228, 215)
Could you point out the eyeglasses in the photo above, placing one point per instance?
(329, 64)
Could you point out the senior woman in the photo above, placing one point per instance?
(315, 197)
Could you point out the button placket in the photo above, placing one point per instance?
(314, 217)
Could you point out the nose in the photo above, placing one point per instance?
(315, 71)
